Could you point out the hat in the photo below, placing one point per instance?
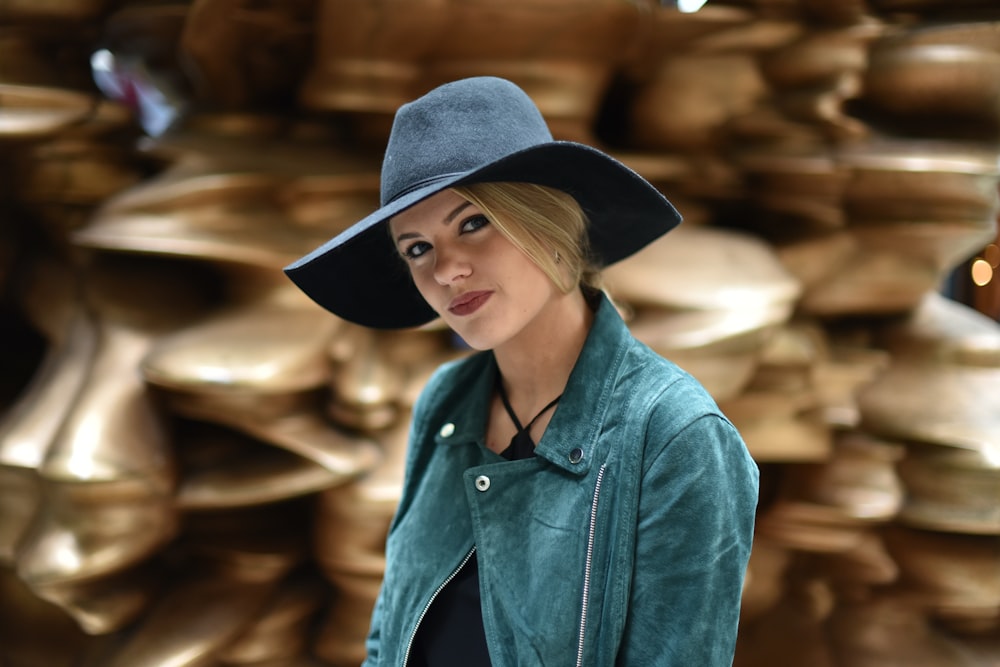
(476, 130)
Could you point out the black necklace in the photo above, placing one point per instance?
(521, 445)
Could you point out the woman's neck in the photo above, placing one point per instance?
(536, 365)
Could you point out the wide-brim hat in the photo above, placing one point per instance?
(477, 130)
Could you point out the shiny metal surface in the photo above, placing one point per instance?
(942, 404)
(689, 99)
(948, 352)
(949, 71)
(236, 198)
(282, 629)
(223, 468)
(202, 467)
(951, 490)
(697, 269)
(30, 426)
(274, 344)
(690, 306)
(806, 187)
(780, 426)
(562, 52)
(921, 182)
(954, 575)
(35, 631)
(942, 330)
(860, 478)
(36, 112)
(105, 605)
(85, 530)
(891, 631)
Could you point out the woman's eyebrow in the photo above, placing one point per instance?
(458, 209)
(447, 220)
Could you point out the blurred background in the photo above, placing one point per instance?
(198, 466)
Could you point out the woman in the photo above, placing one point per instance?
(571, 497)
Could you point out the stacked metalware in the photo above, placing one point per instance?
(198, 466)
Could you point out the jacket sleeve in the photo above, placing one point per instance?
(417, 420)
(374, 632)
(697, 504)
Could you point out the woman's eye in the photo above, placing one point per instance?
(473, 223)
(415, 250)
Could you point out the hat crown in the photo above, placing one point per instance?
(457, 128)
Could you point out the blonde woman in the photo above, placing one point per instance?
(571, 497)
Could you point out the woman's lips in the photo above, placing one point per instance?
(468, 303)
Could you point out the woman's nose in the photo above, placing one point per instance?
(451, 266)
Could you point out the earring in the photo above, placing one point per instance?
(557, 256)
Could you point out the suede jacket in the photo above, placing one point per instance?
(624, 541)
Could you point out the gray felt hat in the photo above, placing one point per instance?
(482, 129)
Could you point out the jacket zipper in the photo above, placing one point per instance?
(437, 591)
(589, 563)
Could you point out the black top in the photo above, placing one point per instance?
(451, 633)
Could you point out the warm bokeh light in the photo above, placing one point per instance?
(982, 272)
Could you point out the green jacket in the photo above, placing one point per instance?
(624, 541)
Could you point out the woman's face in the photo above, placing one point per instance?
(480, 283)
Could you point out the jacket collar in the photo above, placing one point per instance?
(572, 434)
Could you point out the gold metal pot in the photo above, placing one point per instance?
(951, 490)
(940, 74)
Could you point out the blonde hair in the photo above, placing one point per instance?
(546, 224)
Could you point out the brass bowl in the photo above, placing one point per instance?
(859, 478)
(951, 490)
(222, 468)
(948, 571)
(805, 186)
(841, 276)
(820, 55)
(935, 403)
(891, 630)
(951, 80)
(281, 631)
(86, 530)
(703, 268)
(943, 330)
(271, 345)
(35, 112)
(811, 527)
(921, 182)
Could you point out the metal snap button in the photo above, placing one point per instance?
(447, 430)
(576, 455)
(483, 483)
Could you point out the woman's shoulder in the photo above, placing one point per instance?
(681, 417)
(668, 390)
(661, 372)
